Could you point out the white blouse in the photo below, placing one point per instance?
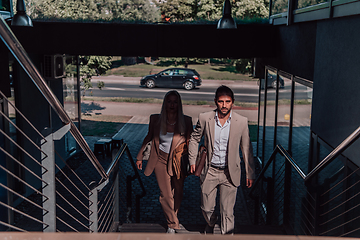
(165, 141)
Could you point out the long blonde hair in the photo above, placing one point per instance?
(180, 122)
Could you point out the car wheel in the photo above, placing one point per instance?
(150, 83)
(273, 84)
(188, 85)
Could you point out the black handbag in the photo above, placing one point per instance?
(185, 164)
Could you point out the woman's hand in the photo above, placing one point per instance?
(139, 164)
(192, 168)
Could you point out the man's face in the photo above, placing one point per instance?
(224, 105)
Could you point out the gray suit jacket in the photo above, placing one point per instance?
(238, 139)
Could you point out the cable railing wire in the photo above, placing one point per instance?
(18, 162)
(72, 183)
(24, 182)
(71, 216)
(73, 207)
(20, 113)
(22, 133)
(73, 172)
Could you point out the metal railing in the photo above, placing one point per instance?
(47, 193)
(323, 203)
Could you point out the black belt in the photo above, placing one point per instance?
(219, 168)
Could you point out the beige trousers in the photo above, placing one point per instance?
(219, 179)
(171, 191)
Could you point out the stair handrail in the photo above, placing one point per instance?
(329, 158)
(20, 54)
(278, 149)
(335, 153)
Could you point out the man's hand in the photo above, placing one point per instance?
(249, 182)
(192, 168)
(139, 164)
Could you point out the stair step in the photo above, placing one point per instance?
(260, 229)
(199, 229)
(157, 228)
(142, 227)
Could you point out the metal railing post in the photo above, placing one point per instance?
(93, 204)
(128, 197)
(117, 200)
(287, 193)
(93, 210)
(270, 200)
(48, 177)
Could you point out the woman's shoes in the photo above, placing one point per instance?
(170, 230)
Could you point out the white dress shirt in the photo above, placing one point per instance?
(221, 139)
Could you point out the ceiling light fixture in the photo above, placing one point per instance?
(226, 22)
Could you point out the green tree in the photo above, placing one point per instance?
(95, 10)
(92, 66)
(179, 10)
(247, 9)
(211, 10)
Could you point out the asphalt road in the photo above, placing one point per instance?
(245, 91)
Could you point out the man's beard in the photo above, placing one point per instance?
(226, 113)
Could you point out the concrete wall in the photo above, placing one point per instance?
(328, 53)
(337, 82)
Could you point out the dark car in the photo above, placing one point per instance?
(173, 77)
(271, 81)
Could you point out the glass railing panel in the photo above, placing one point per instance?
(301, 124)
(279, 6)
(5, 5)
(270, 120)
(261, 119)
(71, 102)
(307, 3)
(284, 111)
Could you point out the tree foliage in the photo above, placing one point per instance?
(93, 66)
(94, 10)
(211, 10)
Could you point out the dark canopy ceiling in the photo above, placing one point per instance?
(160, 40)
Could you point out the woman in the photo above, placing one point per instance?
(169, 133)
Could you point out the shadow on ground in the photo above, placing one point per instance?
(87, 108)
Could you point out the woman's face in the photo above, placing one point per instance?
(172, 104)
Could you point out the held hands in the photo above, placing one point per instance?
(139, 164)
(192, 168)
(249, 182)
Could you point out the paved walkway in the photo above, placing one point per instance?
(133, 132)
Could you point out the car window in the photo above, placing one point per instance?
(194, 72)
(167, 72)
(182, 72)
(176, 72)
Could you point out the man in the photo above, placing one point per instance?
(224, 132)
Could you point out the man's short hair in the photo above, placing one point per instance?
(224, 91)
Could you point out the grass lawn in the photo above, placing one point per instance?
(206, 71)
(102, 125)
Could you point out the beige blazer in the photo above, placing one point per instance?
(154, 134)
(238, 139)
